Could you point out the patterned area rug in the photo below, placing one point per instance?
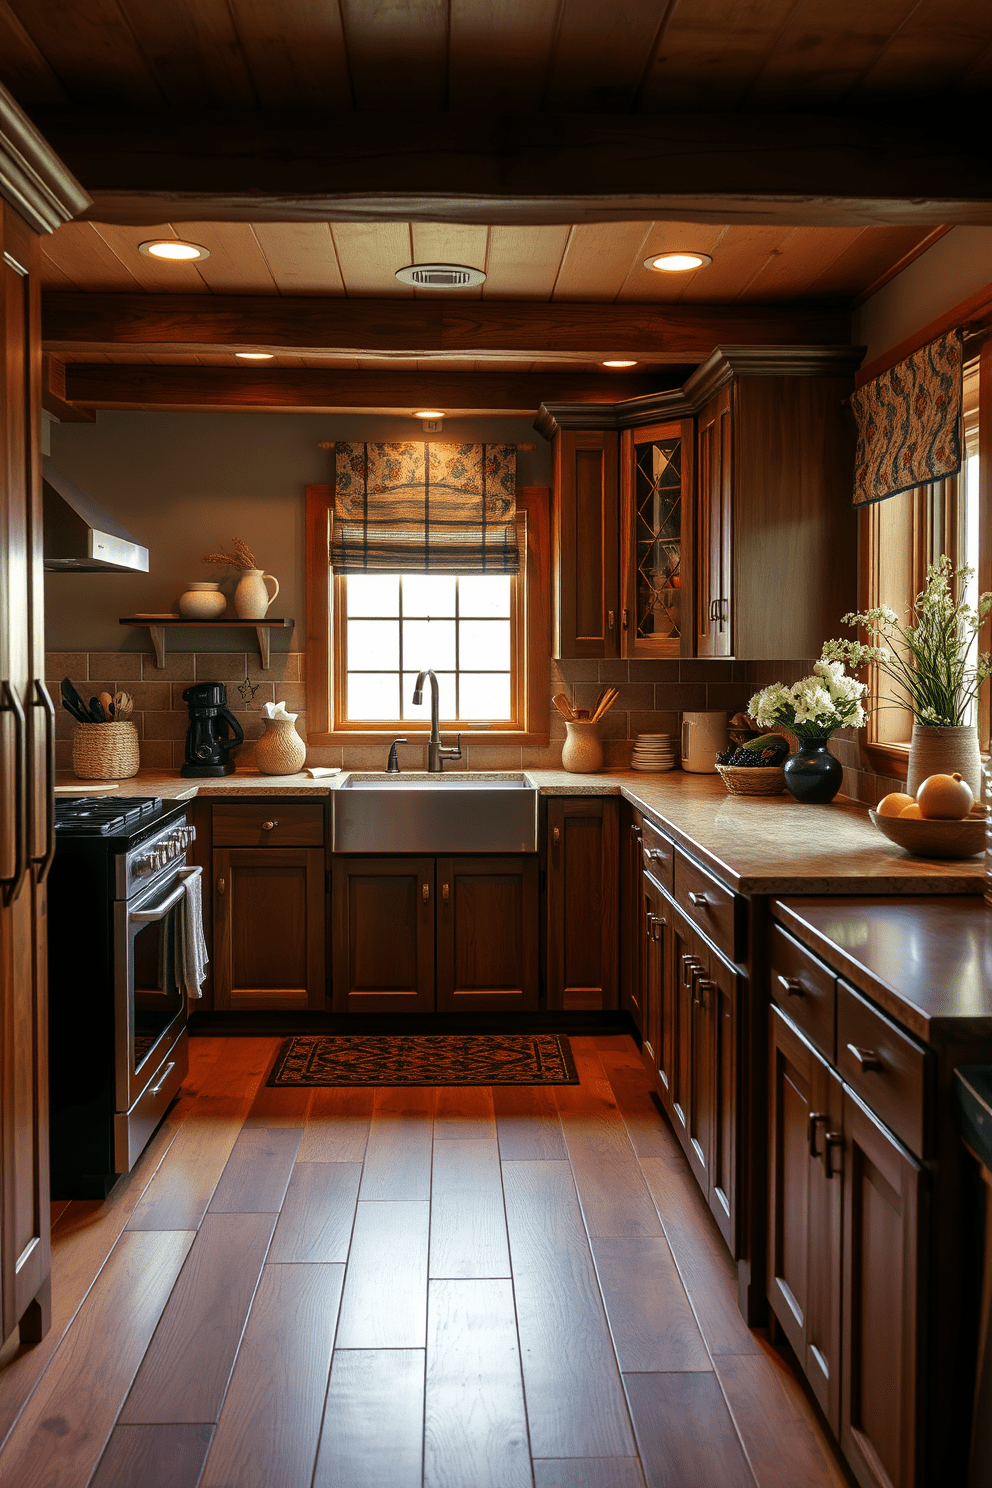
(449, 1059)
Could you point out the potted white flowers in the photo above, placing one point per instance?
(811, 709)
(933, 662)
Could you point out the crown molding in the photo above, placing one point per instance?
(32, 177)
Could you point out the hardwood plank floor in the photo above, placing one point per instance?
(475, 1428)
(391, 1288)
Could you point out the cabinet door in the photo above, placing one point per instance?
(583, 902)
(717, 990)
(654, 922)
(683, 967)
(655, 482)
(713, 527)
(269, 911)
(698, 1034)
(805, 1108)
(487, 933)
(632, 925)
(383, 935)
(586, 543)
(883, 1268)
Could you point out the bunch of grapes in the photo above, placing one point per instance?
(752, 758)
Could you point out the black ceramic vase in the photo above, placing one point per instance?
(812, 774)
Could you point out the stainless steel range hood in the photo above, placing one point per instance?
(80, 537)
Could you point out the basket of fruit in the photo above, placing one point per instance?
(943, 821)
(754, 768)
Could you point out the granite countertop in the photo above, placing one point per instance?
(928, 963)
(754, 844)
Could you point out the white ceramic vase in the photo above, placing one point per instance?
(582, 751)
(203, 602)
(251, 597)
(944, 751)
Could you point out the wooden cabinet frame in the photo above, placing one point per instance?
(475, 942)
(308, 861)
(415, 937)
(583, 896)
(629, 645)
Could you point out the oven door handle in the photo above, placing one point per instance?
(149, 916)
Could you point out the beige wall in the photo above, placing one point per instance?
(184, 483)
(957, 266)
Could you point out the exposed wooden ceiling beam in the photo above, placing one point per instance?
(473, 329)
(287, 389)
(722, 168)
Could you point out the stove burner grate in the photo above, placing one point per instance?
(95, 816)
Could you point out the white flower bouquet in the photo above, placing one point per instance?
(814, 706)
(930, 659)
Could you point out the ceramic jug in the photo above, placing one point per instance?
(251, 597)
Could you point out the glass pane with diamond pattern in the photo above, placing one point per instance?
(658, 538)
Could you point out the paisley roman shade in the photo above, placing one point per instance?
(425, 508)
(909, 422)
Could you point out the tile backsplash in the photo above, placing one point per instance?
(653, 695)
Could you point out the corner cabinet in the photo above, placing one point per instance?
(712, 520)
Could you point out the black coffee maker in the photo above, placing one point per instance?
(213, 731)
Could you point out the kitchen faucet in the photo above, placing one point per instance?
(436, 752)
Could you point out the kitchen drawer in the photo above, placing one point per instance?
(805, 990)
(271, 824)
(711, 906)
(659, 854)
(890, 1071)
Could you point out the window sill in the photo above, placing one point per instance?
(473, 737)
(886, 759)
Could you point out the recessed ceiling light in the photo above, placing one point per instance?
(255, 356)
(441, 276)
(618, 363)
(677, 263)
(174, 250)
(429, 413)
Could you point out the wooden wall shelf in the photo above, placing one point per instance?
(157, 630)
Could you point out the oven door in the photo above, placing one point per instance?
(150, 997)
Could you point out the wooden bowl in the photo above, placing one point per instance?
(753, 780)
(935, 839)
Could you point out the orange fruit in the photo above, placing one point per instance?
(945, 798)
(893, 804)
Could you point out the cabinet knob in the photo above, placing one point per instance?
(222, 886)
(267, 826)
(624, 618)
(556, 835)
(833, 1142)
(444, 892)
(425, 890)
(698, 899)
(794, 987)
(610, 620)
(867, 1058)
(654, 855)
(815, 1117)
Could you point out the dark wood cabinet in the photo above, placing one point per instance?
(883, 1269)
(655, 928)
(431, 934)
(382, 930)
(656, 476)
(631, 917)
(487, 934)
(269, 910)
(806, 1116)
(583, 902)
(713, 527)
(585, 528)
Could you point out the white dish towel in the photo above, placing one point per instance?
(192, 947)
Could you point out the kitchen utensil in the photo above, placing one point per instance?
(564, 706)
(123, 705)
(107, 704)
(72, 701)
(704, 736)
(935, 839)
(605, 703)
(96, 711)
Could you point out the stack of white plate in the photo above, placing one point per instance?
(653, 753)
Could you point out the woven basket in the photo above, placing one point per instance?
(105, 751)
(756, 780)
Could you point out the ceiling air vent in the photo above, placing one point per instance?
(440, 276)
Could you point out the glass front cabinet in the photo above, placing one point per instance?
(655, 471)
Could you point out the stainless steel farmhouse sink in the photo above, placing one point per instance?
(434, 814)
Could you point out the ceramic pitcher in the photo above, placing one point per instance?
(251, 597)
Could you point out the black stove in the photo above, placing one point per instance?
(96, 816)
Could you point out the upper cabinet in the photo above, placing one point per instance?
(711, 520)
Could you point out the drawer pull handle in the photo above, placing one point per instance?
(690, 966)
(794, 987)
(635, 832)
(222, 886)
(268, 826)
(444, 892)
(654, 855)
(703, 984)
(867, 1058)
(556, 835)
(697, 899)
(165, 1075)
(656, 923)
(648, 920)
(610, 619)
(833, 1142)
(815, 1117)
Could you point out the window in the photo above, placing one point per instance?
(484, 635)
(900, 537)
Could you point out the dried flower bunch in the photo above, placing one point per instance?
(931, 660)
(814, 706)
(242, 557)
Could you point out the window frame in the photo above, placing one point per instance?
(532, 638)
(935, 525)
